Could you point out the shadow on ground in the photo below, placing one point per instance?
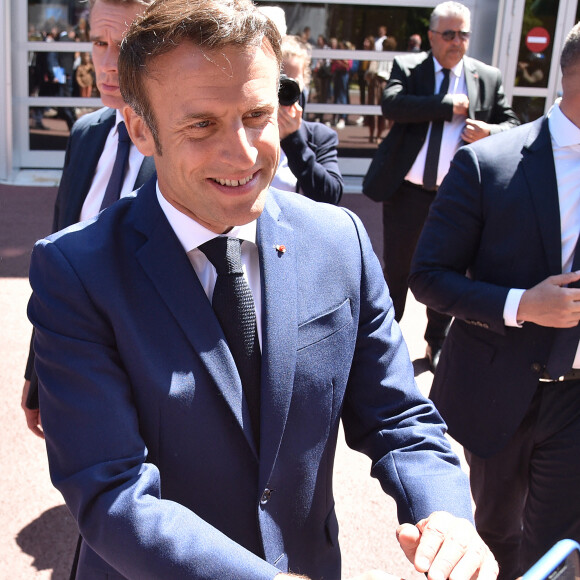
(51, 540)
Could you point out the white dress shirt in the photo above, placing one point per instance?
(192, 234)
(565, 137)
(92, 204)
(451, 138)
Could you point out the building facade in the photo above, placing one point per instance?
(46, 82)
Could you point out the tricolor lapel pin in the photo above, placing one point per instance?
(280, 248)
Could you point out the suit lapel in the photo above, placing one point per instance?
(279, 329)
(538, 165)
(472, 82)
(93, 141)
(166, 264)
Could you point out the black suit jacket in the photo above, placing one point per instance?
(494, 225)
(83, 151)
(408, 100)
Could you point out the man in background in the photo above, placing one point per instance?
(437, 100)
(499, 252)
(92, 151)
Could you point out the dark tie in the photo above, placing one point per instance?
(115, 184)
(566, 341)
(434, 147)
(233, 305)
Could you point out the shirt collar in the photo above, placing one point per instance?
(564, 133)
(118, 119)
(457, 70)
(192, 234)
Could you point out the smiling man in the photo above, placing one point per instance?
(213, 334)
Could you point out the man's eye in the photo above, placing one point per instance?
(200, 125)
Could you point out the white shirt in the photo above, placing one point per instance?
(284, 178)
(565, 137)
(451, 139)
(92, 204)
(192, 234)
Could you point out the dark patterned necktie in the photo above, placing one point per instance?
(115, 184)
(233, 305)
(434, 147)
(566, 340)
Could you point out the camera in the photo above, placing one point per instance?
(288, 91)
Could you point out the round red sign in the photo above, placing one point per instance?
(537, 39)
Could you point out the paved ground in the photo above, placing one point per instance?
(37, 535)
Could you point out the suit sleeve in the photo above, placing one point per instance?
(29, 373)
(386, 417)
(400, 102)
(448, 247)
(503, 117)
(98, 459)
(313, 159)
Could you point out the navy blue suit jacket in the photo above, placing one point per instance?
(494, 225)
(147, 430)
(83, 151)
(312, 153)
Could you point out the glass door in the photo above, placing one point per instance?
(532, 35)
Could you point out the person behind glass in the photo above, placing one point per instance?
(363, 84)
(322, 74)
(414, 43)
(92, 151)
(455, 99)
(378, 74)
(340, 70)
(308, 156)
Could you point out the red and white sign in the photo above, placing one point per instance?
(538, 39)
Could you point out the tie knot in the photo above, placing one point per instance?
(445, 72)
(225, 254)
(123, 134)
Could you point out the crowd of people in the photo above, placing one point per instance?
(220, 323)
(60, 74)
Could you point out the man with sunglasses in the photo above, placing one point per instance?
(500, 253)
(438, 100)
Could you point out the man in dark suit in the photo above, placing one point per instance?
(497, 252)
(181, 449)
(429, 126)
(91, 149)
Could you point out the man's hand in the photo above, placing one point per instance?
(460, 104)
(475, 130)
(444, 547)
(550, 303)
(32, 415)
(289, 119)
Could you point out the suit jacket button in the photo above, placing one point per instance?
(537, 368)
(266, 496)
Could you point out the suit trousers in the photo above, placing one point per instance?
(527, 495)
(403, 217)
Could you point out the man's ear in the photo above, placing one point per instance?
(139, 132)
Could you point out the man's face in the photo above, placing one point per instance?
(570, 103)
(216, 116)
(449, 52)
(109, 22)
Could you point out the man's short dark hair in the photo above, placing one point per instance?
(211, 25)
(571, 51)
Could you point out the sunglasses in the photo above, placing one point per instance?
(449, 35)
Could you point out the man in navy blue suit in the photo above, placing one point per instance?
(170, 465)
(498, 252)
(91, 149)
